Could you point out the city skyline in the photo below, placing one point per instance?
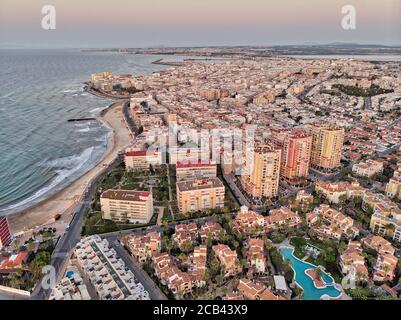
(197, 23)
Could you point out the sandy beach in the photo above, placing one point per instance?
(65, 201)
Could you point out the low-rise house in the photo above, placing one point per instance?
(393, 188)
(256, 255)
(228, 258)
(352, 260)
(211, 229)
(197, 265)
(368, 168)
(13, 261)
(328, 222)
(248, 222)
(378, 244)
(256, 291)
(338, 191)
(282, 217)
(233, 296)
(177, 281)
(108, 274)
(303, 199)
(185, 233)
(144, 247)
(70, 288)
(385, 268)
(386, 262)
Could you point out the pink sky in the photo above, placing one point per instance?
(191, 22)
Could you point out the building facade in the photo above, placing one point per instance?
(127, 206)
(262, 175)
(136, 159)
(199, 195)
(200, 170)
(393, 188)
(327, 143)
(5, 235)
(296, 147)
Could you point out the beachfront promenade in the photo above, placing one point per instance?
(72, 206)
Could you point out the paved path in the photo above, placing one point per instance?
(236, 191)
(160, 215)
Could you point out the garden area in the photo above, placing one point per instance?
(327, 256)
(154, 180)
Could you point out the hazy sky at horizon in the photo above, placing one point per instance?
(134, 23)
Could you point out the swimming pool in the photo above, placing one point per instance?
(70, 274)
(305, 282)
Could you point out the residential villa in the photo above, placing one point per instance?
(228, 258)
(212, 229)
(386, 263)
(185, 233)
(256, 255)
(256, 291)
(352, 260)
(328, 222)
(303, 198)
(177, 281)
(393, 188)
(368, 168)
(335, 192)
(144, 247)
(197, 265)
(248, 222)
(378, 244)
(282, 217)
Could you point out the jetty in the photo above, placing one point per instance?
(169, 63)
(81, 119)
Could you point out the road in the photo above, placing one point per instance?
(154, 292)
(72, 236)
(236, 191)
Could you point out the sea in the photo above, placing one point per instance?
(40, 151)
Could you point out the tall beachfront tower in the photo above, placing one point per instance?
(5, 235)
(262, 176)
(327, 146)
(296, 147)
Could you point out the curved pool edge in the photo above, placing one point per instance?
(335, 285)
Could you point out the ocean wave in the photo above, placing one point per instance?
(84, 130)
(66, 168)
(82, 124)
(71, 162)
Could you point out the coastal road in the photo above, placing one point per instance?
(72, 236)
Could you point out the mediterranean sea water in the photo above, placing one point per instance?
(40, 152)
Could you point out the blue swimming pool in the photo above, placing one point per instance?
(70, 274)
(305, 282)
